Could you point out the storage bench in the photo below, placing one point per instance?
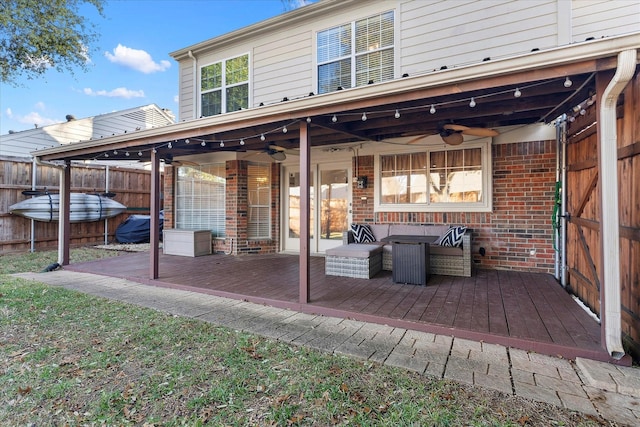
(359, 261)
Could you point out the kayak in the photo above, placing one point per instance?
(84, 207)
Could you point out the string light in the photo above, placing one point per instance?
(126, 153)
(154, 151)
(396, 113)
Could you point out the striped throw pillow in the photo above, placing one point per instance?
(453, 237)
(362, 233)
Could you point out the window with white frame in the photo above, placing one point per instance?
(224, 86)
(259, 201)
(200, 198)
(356, 53)
(449, 179)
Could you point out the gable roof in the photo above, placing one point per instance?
(22, 143)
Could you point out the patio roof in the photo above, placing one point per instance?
(539, 78)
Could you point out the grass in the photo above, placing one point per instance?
(67, 358)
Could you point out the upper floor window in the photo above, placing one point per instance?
(354, 54)
(436, 180)
(224, 86)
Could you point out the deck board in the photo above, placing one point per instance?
(521, 309)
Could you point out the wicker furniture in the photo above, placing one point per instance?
(360, 261)
(410, 258)
(443, 260)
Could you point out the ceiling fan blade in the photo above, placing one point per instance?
(457, 128)
(276, 148)
(416, 139)
(480, 132)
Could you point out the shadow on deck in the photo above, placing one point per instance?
(530, 311)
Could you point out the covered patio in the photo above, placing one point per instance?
(530, 311)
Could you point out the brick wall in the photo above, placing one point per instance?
(523, 200)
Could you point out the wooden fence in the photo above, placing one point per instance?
(132, 188)
(584, 252)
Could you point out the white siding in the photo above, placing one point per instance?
(429, 34)
(187, 91)
(604, 18)
(439, 33)
(282, 66)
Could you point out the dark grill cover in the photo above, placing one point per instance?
(137, 229)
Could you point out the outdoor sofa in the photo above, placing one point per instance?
(363, 253)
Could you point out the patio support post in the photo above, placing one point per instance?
(305, 212)
(610, 300)
(154, 236)
(64, 214)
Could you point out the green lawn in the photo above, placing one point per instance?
(68, 358)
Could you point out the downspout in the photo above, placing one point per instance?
(609, 230)
(195, 84)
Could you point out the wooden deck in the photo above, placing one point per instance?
(530, 311)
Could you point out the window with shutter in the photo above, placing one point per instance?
(200, 198)
(259, 201)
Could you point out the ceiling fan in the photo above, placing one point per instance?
(277, 153)
(452, 134)
(169, 160)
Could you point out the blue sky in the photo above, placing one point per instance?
(131, 65)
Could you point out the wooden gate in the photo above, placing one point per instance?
(583, 207)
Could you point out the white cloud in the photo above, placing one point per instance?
(32, 118)
(40, 106)
(136, 59)
(176, 99)
(120, 92)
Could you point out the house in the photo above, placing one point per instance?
(508, 117)
(22, 143)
